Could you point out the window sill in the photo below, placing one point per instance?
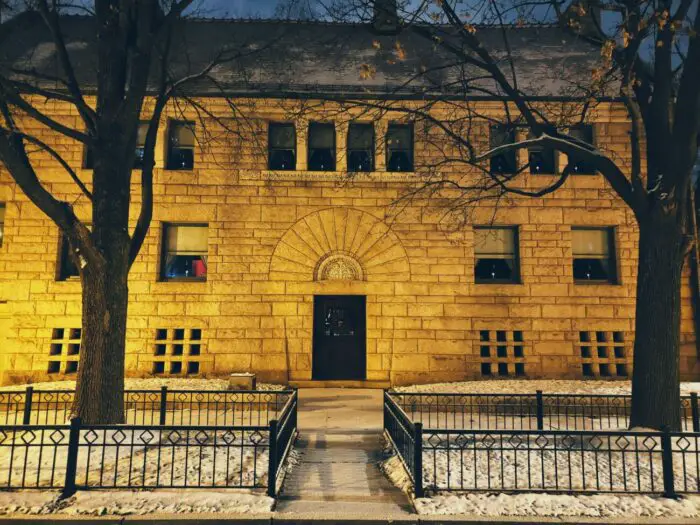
(498, 289)
(183, 280)
(497, 282)
(558, 174)
(596, 283)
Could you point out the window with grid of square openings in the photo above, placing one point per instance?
(603, 354)
(176, 351)
(502, 353)
(64, 350)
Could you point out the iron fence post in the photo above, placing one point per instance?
(163, 404)
(667, 463)
(384, 409)
(72, 458)
(418, 460)
(540, 410)
(272, 463)
(27, 418)
(694, 411)
(296, 408)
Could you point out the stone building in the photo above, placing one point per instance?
(264, 255)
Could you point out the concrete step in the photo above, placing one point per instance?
(339, 384)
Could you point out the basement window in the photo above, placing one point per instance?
(496, 254)
(184, 252)
(175, 351)
(612, 355)
(502, 353)
(360, 147)
(505, 162)
(64, 350)
(584, 133)
(594, 255)
(180, 145)
(399, 147)
(321, 147)
(282, 148)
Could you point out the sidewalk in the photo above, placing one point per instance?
(340, 444)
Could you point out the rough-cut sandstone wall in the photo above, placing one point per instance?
(269, 235)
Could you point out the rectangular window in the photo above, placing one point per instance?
(399, 147)
(282, 147)
(584, 133)
(496, 254)
(360, 147)
(542, 160)
(67, 269)
(506, 162)
(88, 158)
(321, 147)
(2, 222)
(140, 143)
(594, 255)
(184, 252)
(180, 146)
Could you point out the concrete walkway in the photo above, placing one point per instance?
(340, 441)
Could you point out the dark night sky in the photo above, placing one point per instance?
(239, 8)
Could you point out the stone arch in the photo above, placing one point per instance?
(339, 244)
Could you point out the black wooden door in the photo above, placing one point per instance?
(339, 344)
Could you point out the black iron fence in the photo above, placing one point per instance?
(534, 459)
(148, 456)
(537, 411)
(151, 407)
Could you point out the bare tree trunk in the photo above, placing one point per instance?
(99, 392)
(656, 375)
(100, 386)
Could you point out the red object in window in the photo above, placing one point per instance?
(199, 269)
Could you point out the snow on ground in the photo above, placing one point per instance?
(529, 386)
(168, 502)
(550, 505)
(489, 463)
(587, 463)
(125, 502)
(27, 502)
(141, 458)
(149, 383)
(543, 505)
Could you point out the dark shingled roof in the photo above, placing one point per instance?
(306, 58)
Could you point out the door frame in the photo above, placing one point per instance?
(362, 339)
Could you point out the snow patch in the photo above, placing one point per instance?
(149, 383)
(530, 386)
(550, 505)
(121, 503)
(541, 505)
